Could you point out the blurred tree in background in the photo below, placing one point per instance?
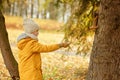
(44, 9)
(77, 15)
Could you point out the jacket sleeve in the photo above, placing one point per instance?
(38, 47)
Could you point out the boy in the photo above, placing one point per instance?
(29, 57)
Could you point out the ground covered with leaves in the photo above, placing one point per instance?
(57, 65)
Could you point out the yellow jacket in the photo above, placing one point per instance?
(30, 59)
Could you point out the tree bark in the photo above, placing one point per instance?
(105, 57)
(8, 57)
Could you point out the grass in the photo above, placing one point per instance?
(55, 66)
(45, 24)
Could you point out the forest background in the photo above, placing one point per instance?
(55, 17)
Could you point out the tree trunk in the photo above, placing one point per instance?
(63, 12)
(20, 10)
(105, 56)
(15, 8)
(8, 57)
(44, 13)
(53, 11)
(12, 9)
(32, 10)
(38, 10)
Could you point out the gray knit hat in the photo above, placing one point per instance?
(30, 26)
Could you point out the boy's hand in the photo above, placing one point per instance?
(64, 45)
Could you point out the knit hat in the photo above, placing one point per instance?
(30, 26)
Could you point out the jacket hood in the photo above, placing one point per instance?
(26, 35)
(22, 43)
(23, 39)
(22, 36)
